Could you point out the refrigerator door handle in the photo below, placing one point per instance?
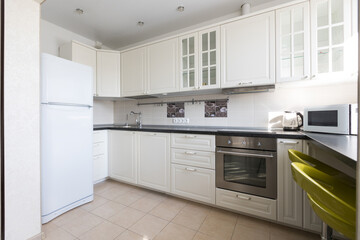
(69, 104)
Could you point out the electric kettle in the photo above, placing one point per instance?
(292, 121)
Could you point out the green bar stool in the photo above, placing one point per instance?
(332, 194)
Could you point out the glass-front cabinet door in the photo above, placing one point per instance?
(189, 62)
(209, 55)
(293, 43)
(331, 32)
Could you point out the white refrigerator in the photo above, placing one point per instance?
(66, 136)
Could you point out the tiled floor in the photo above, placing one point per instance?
(124, 212)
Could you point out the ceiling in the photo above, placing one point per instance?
(114, 22)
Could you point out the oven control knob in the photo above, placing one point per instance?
(229, 142)
(259, 144)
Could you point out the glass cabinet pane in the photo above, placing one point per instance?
(323, 61)
(191, 45)
(213, 40)
(212, 58)
(286, 44)
(338, 35)
(205, 42)
(337, 11)
(205, 76)
(298, 20)
(285, 23)
(299, 42)
(286, 66)
(185, 79)
(185, 63)
(299, 64)
(205, 60)
(213, 75)
(192, 61)
(184, 47)
(322, 14)
(192, 78)
(323, 37)
(338, 59)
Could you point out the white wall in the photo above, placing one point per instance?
(22, 119)
(51, 38)
(245, 110)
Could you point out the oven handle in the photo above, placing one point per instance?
(245, 154)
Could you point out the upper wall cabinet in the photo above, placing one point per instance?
(108, 74)
(80, 53)
(331, 38)
(133, 72)
(163, 67)
(293, 43)
(248, 51)
(189, 62)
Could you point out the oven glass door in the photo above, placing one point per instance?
(247, 171)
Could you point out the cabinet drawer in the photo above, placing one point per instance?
(100, 167)
(99, 148)
(193, 141)
(193, 158)
(194, 183)
(257, 206)
(99, 136)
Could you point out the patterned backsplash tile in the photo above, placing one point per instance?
(216, 109)
(175, 110)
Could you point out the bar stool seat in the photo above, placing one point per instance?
(332, 194)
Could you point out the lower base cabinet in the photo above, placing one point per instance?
(100, 156)
(250, 204)
(194, 183)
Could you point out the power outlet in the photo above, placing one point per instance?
(180, 120)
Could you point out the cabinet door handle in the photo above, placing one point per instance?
(190, 153)
(190, 169)
(190, 136)
(290, 142)
(152, 134)
(305, 77)
(242, 197)
(245, 83)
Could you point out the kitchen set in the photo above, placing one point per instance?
(206, 115)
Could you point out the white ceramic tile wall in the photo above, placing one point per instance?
(103, 112)
(245, 110)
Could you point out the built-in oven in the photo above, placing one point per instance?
(247, 165)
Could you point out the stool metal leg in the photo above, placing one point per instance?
(326, 232)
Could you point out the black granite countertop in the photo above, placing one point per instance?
(229, 131)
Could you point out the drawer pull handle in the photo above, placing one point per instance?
(190, 153)
(190, 136)
(190, 169)
(289, 142)
(152, 134)
(242, 197)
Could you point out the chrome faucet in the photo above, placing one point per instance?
(138, 120)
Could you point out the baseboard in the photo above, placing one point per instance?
(39, 236)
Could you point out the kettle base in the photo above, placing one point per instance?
(291, 128)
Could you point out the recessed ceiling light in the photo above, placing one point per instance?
(140, 23)
(180, 8)
(79, 11)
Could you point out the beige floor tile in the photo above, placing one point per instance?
(149, 226)
(69, 216)
(103, 231)
(128, 198)
(97, 202)
(168, 208)
(280, 232)
(48, 227)
(127, 217)
(253, 222)
(128, 235)
(145, 204)
(140, 191)
(197, 207)
(81, 225)
(108, 210)
(192, 220)
(250, 233)
(59, 234)
(202, 236)
(218, 226)
(223, 214)
(112, 193)
(157, 196)
(102, 186)
(175, 232)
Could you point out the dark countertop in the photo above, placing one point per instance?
(229, 131)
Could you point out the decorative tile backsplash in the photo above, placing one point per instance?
(175, 110)
(216, 108)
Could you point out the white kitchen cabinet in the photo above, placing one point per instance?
(293, 43)
(81, 53)
(189, 62)
(122, 156)
(163, 67)
(108, 73)
(193, 158)
(100, 156)
(197, 142)
(290, 200)
(331, 38)
(209, 58)
(248, 51)
(250, 204)
(154, 160)
(192, 182)
(133, 72)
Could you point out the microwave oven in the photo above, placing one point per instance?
(338, 119)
